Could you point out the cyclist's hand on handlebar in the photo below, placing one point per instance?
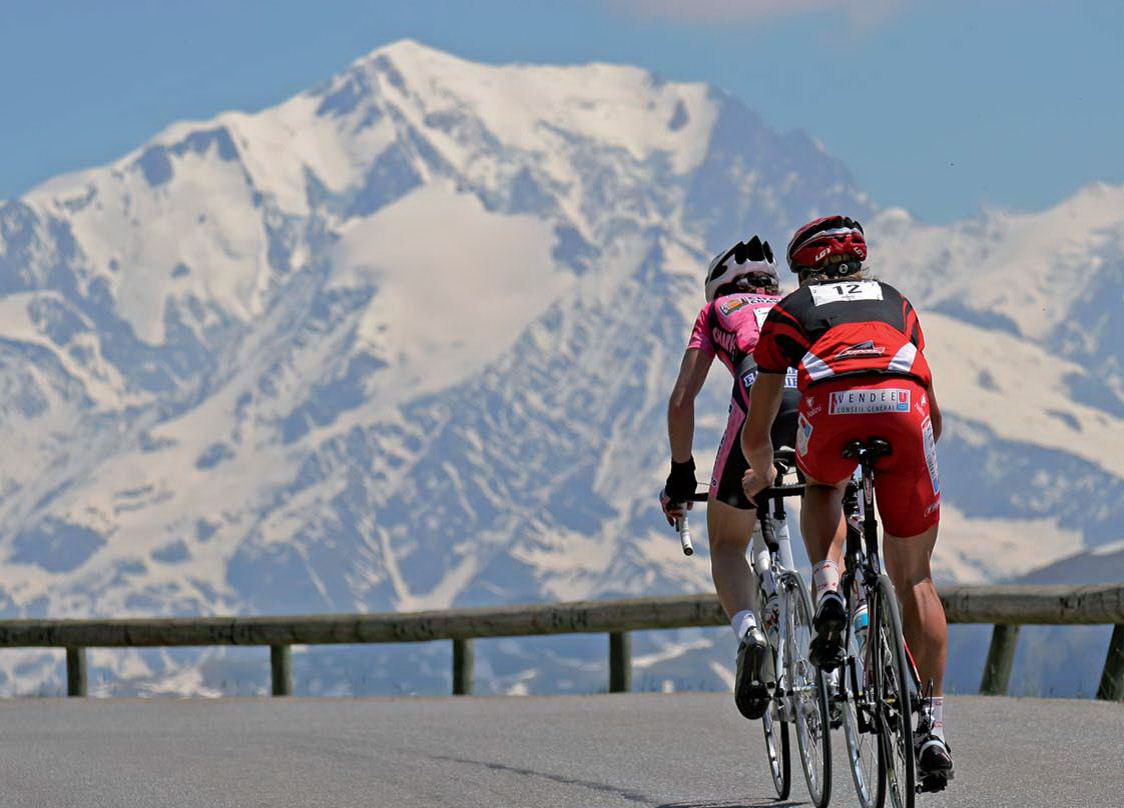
(675, 499)
(673, 509)
(754, 483)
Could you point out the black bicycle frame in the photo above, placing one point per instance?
(863, 560)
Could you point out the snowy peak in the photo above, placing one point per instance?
(233, 206)
(1021, 272)
(530, 107)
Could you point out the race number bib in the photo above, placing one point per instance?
(824, 293)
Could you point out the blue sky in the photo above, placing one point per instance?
(941, 106)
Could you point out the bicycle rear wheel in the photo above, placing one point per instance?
(865, 753)
(808, 687)
(891, 688)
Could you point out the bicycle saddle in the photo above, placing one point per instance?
(874, 448)
(784, 458)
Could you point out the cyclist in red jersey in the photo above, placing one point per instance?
(858, 348)
(741, 287)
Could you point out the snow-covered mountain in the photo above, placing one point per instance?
(405, 341)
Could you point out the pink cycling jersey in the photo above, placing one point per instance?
(729, 326)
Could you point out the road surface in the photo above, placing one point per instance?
(630, 750)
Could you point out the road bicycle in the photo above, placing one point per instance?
(799, 696)
(877, 686)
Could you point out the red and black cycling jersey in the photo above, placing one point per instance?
(843, 328)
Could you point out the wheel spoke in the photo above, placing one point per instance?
(867, 768)
(808, 695)
(893, 705)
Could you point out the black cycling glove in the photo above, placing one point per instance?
(680, 485)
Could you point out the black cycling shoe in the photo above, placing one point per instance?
(934, 762)
(826, 650)
(751, 685)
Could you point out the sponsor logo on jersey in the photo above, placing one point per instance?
(726, 340)
(863, 402)
(749, 378)
(790, 377)
(928, 440)
(803, 434)
(731, 305)
(860, 350)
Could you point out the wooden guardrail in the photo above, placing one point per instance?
(1005, 606)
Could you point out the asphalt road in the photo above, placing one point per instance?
(634, 750)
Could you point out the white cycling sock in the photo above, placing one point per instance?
(742, 622)
(938, 716)
(825, 578)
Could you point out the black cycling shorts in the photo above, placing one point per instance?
(730, 465)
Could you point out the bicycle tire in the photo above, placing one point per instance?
(892, 680)
(776, 731)
(865, 752)
(807, 683)
(780, 758)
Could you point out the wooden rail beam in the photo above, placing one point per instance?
(1020, 605)
(593, 617)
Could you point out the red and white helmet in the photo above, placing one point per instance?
(820, 239)
(744, 258)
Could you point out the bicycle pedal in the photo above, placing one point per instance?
(932, 783)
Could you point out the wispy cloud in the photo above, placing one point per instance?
(859, 13)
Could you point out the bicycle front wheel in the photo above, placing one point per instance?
(808, 687)
(776, 747)
(891, 690)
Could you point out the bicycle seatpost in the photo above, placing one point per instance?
(870, 521)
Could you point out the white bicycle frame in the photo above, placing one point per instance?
(771, 566)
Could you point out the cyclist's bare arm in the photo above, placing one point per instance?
(764, 403)
(681, 405)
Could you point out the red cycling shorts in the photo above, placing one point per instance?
(907, 484)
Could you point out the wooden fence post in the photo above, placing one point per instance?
(464, 659)
(1000, 660)
(1112, 678)
(281, 669)
(76, 672)
(620, 662)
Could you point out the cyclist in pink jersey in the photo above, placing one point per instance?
(741, 287)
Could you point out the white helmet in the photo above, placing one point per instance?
(744, 258)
